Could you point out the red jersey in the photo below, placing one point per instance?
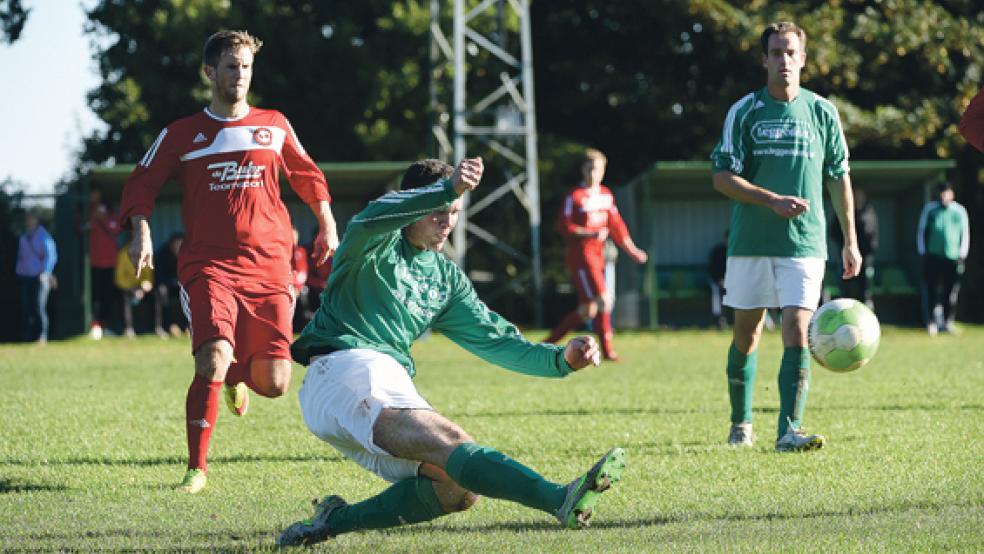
(593, 210)
(972, 122)
(236, 227)
(103, 228)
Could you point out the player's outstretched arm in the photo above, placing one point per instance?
(467, 175)
(141, 249)
(581, 351)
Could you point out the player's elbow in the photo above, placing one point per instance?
(722, 181)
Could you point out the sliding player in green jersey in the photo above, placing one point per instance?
(779, 144)
(388, 285)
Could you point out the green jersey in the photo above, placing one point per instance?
(944, 231)
(788, 148)
(384, 292)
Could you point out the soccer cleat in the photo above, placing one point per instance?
(932, 329)
(194, 481)
(611, 357)
(795, 440)
(583, 492)
(237, 398)
(741, 434)
(315, 529)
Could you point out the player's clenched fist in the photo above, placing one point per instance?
(467, 174)
(581, 351)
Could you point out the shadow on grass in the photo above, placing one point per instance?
(609, 524)
(170, 460)
(9, 486)
(608, 412)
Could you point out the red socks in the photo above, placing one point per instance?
(202, 410)
(571, 321)
(603, 328)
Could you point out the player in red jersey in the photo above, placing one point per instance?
(234, 264)
(589, 218)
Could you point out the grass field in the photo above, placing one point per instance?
(93, 441)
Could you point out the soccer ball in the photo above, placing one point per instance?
(844, 335)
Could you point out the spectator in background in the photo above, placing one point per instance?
(972, 122)
(167, 289)
(943, 240)
(135, 288)
(866, 227)
(299, 270)
(717, 261)
(103, 228)
(36, 259)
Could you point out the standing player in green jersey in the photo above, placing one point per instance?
(779, 144)
(389, 284)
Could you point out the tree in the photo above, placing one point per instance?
(13, 16)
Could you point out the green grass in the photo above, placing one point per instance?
(92, 440)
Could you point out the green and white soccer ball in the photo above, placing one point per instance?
(844, 335)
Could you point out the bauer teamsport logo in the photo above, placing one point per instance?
(200, 137)
(231, 175)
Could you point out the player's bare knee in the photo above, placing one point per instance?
(213, 358)
(588, 311)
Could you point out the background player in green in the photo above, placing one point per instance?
(779, 144)
(389, 284)
(943, 241)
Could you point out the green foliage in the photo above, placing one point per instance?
(348, 75)
(94, 440)
(13, 17)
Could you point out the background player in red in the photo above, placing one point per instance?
(234, 264)
(588, 219)
(972, 122)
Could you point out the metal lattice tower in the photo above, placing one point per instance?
(484, 61)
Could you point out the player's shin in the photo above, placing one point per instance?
(202, 411)
(406, 502)
(488, 472)
(741, 383)
(794, 384)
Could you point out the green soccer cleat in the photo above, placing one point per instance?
(795, 440)
(315, 529)
(583, 492)
(237, 398)
(194, 481)
(741, 434)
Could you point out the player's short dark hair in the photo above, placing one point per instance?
(781, 27)
(228, 40)
(425, 172)
(943, 187)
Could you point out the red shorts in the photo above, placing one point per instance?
(257, 323)
(589, 281)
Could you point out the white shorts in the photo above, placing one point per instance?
(341, 398)
(770, 282)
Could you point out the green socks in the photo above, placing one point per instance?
(794, 384)
(741, 383)
(488, 472)
(408, 501)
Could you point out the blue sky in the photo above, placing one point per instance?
(46, 75)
